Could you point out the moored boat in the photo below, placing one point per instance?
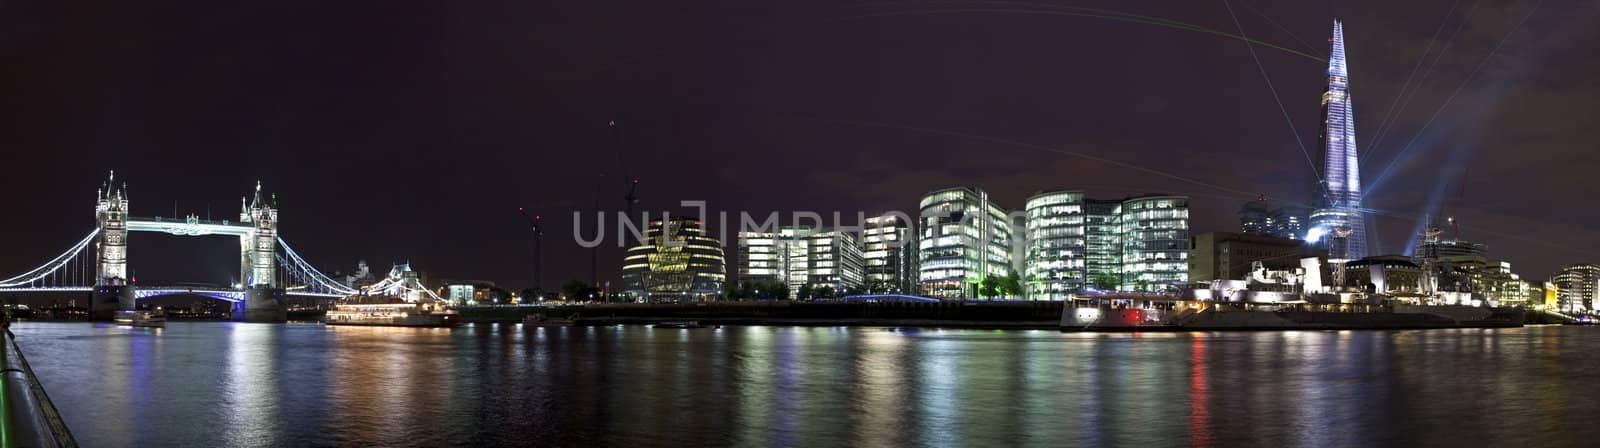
(391, 311)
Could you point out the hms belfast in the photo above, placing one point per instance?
(1314, 295)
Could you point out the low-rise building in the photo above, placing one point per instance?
(1228, 255)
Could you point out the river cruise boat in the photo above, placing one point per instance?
(391, 312)
(141, 318)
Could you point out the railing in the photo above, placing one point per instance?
(28, 418)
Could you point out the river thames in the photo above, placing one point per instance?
(235, 384)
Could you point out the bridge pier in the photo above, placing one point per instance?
(262, 304)
(107, 299)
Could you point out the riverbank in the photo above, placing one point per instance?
(955, 314)
(27, 417)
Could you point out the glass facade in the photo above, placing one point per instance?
(1578, 288)
(677, 262)
(835, 261)
(760, 257)
(889, 257)
(963, 238)
(1056, 259)
(1340, 189)
(1102, 243)
(1154, 233)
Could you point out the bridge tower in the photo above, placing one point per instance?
(257, 270)
(112, 290)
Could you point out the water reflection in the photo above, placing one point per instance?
(224, 384)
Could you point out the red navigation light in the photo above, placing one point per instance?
(519, 209)
(636, 181)
(537, 217)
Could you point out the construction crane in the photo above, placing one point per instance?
(534, 221)
(632, 198)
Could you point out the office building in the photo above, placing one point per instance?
(1154, 233)
(676, 262)
(760, 257)
(964, 238)
(1450, 248)
(1103, 243)
(1578, 288)
(1259, 217)
(889, 252)
(834, 261)
(1056, 263)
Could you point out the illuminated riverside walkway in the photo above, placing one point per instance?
(27, 417)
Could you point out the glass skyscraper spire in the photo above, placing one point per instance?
(1340, 191)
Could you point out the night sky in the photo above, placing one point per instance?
(410, 131)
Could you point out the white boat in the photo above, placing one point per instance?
(392, 312)
(141, 318)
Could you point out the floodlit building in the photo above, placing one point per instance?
(1154, 232)
(1578, 288)
(1102, 243)
(474, 292)
(889, 252)
(676, 262)
(964, 238)
(834, 261)
(761, 257)
(801, 256)
(1056, 264)
(1339, 192)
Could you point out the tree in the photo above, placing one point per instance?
(855, 290)
(826, 291)
(1104, 281)
(577, 290)
(989, 287)
(730, 291)
(1011, 285)
(530, 295)
(806, 291)
(779, 290)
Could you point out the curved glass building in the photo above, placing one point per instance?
(963, 238)
(1056, 256)
(677, 262)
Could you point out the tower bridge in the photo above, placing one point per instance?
(269, 270)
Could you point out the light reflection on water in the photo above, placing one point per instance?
(228, 384)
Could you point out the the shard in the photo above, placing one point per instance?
(1340, 188)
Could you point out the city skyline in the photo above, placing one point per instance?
(414, 159)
